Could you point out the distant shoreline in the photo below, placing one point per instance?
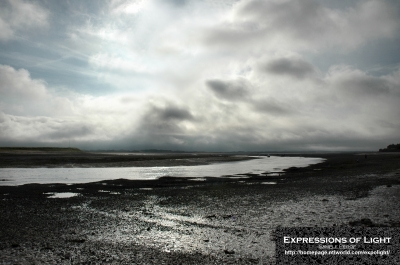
(39, 149)
(55, 157)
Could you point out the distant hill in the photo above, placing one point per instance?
(39, 149)
(391, 148)
(139, 151)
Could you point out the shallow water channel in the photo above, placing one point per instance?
(20, 176)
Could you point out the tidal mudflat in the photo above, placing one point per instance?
(182, 221)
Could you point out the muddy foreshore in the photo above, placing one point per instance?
(181, 221)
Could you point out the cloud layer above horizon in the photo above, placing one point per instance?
(205, 75)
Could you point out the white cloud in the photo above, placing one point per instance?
(18, 84)
(20, 16)
(330, 114)
(303, 25)
(30, 111)
(293, 67)
(117, 63)
(182, 75)
(62, 131)
(5, 30)
(128, 7)
(23, 95)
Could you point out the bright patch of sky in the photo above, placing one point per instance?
(200, 75)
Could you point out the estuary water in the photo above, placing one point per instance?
(20, 176)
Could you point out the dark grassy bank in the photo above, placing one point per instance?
(71, 157)
(39, 149)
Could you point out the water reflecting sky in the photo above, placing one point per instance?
(19, 176)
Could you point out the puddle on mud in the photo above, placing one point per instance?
(61, 194)
(275, 174)
(198, 179)
(181, 229)
(239, 223)
(109, 192)
(244, 224)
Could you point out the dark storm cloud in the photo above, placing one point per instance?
(303, 25)
(174, 113)
(291, 67)
(179, 2)
(161, 127)
(229, 90)
(368, 84)
(271, 107)
(239, 91)
(69, 132)
(356, 83)
(255, 20)
(165, 120)
(300, 17)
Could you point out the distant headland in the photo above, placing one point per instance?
(391, 148)
(39, 149)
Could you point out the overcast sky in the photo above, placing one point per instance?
(206, 75)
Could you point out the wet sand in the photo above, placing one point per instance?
(181, 221)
